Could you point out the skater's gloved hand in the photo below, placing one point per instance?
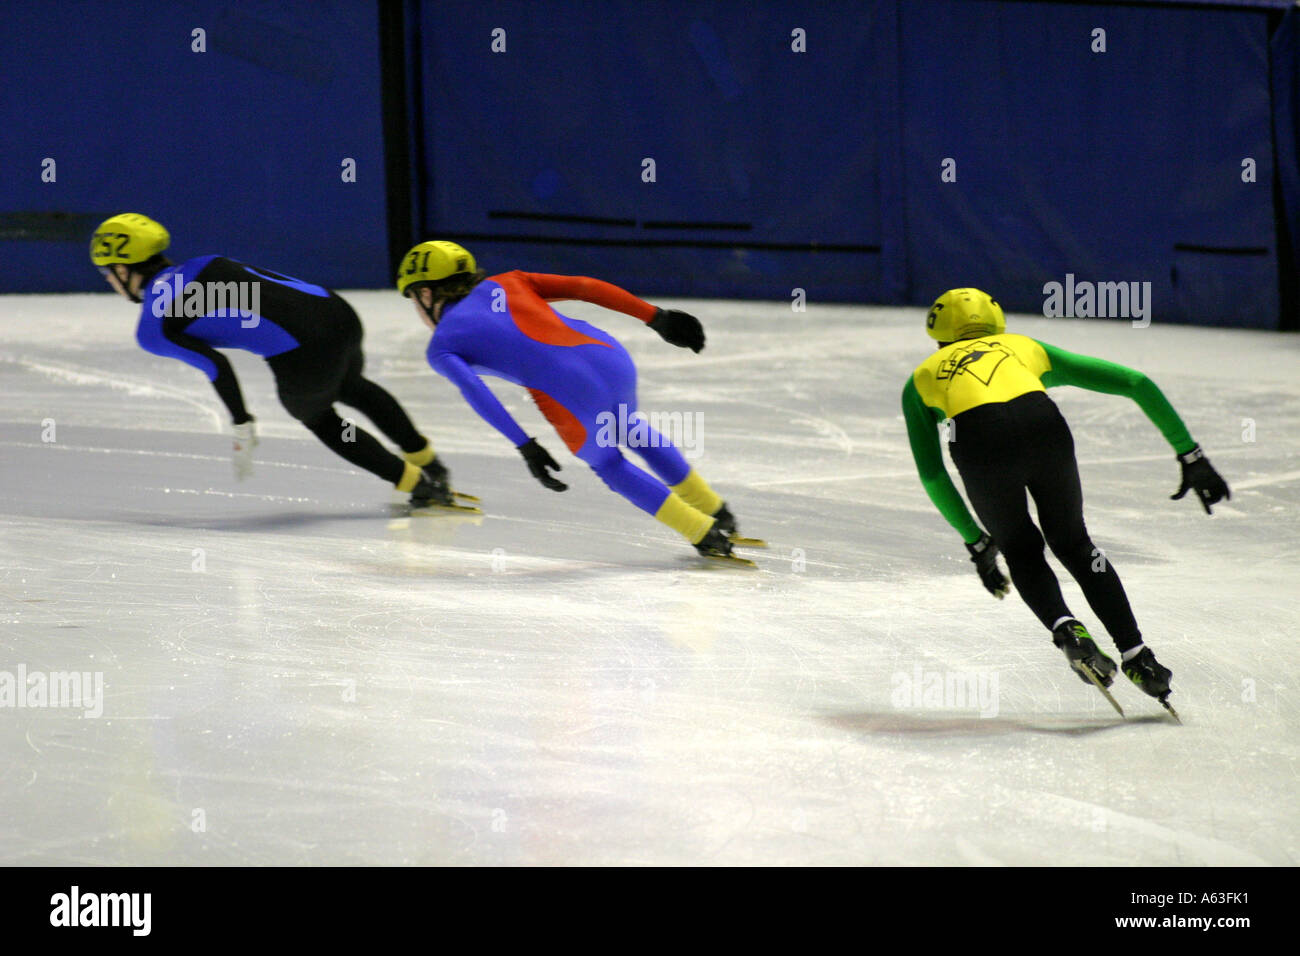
(1198, 473)
(245, 442)
(985, 555)
(678, 328)
(539, 460)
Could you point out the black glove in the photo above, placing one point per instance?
(539, 459)
(1198, 473)
(678, 328)
(985, 555)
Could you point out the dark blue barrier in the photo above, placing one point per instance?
(1122, 165)
(767, 161)
(237, 150)
(1117, 166)
(795, 145)
(1285, 52)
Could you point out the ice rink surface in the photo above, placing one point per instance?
(292, 675)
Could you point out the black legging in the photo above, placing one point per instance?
(311, 378)
(1005, 448)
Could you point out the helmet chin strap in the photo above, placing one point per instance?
(131, 273)
(432, 315)
(123, 287)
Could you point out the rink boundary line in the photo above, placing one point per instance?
(1266, 480)
(825, 427)
(72, 374)
(1247, 483)
(64, 446)
(485, 448)
(229, 494)
(645, 362)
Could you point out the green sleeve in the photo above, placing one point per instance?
(1098, 375)
(924, 437)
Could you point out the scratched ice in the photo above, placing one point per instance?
(292, 675)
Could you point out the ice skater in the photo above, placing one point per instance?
(309, 336)
(1005, 437)
(576, 373)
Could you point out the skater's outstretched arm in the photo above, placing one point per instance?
(166, 337)
(1098, 375)
(554, 288)
(478, 395)
(674, 327)
(929, 463)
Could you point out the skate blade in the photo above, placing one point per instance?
(1091, 674)
(741, 541)
(1170, 707)
(433, 508)
(730, 559)
(464, 497)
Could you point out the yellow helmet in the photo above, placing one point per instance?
(129, 238)
(432, 261)
(964, 314)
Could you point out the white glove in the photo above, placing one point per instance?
(245, 442)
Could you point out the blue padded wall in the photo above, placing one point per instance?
(1117, 166)
(777, 150)
(774, 169)
(237, 150)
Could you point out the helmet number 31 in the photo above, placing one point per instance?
(415, 265)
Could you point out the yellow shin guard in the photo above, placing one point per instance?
(422, 457)
(695, 491)
(410, 478)
(685, 520)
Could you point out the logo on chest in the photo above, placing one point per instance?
(981, 360)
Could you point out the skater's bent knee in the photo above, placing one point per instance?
(1021, 549)
(317, 420)
(360, 390)
(603, 459)
(1073, 545)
